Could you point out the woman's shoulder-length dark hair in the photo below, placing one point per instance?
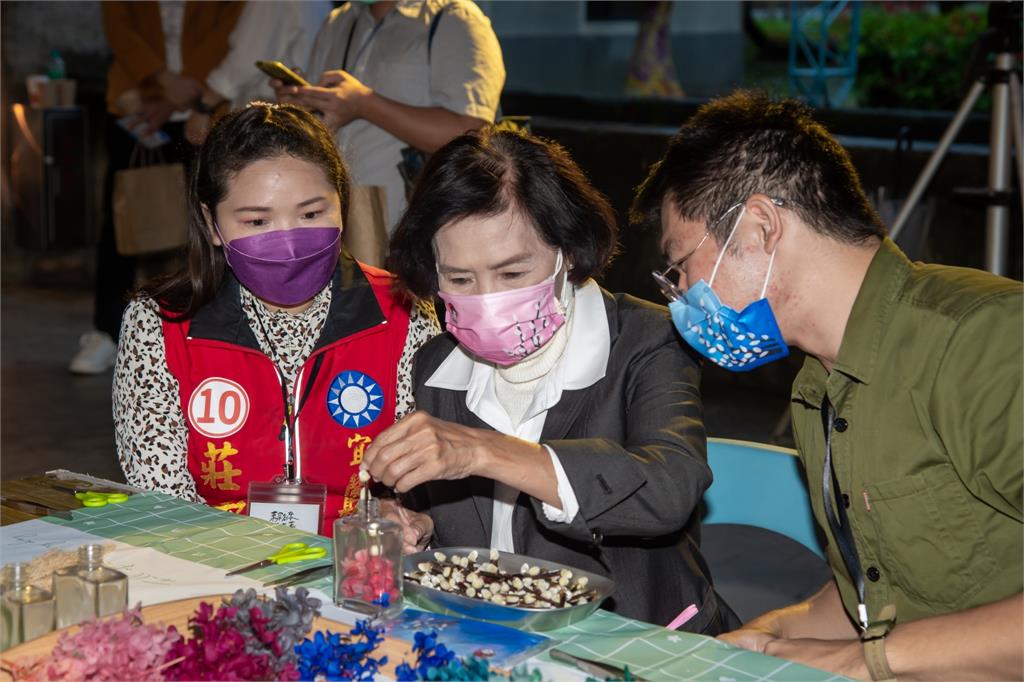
(260, 131)
(487, 172)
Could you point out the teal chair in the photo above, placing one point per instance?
(760, 485)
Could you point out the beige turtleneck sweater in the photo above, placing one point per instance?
(514, 386)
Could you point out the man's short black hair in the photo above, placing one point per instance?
(485, 173)
(748, 143)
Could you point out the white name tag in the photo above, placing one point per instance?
(304, 517)
(296, 505)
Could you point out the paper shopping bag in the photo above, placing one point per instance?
(366, 229)
(149, 208)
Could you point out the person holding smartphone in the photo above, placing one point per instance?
(391, 75)
(270, 29)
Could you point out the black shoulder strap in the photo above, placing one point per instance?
(348, 45)
(433, 29)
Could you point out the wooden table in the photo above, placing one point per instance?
(40, 490)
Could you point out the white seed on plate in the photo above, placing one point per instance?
(527, 582)
(424, 566)
(534, 570)
(498, 599)
(485, 593)
(440, 556)
(517, 583)
(473, 555)
(470, 592)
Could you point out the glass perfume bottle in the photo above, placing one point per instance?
(27, 610)
(89, 589)
(368, 562)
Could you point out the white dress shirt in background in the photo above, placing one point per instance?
(464, 74)
(268, 31)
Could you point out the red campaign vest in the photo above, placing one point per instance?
(232, 398)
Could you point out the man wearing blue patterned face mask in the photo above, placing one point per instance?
(735, 340)
(906, 414)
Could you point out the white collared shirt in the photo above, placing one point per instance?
(462, 71)
(583, 363)
(270, 29)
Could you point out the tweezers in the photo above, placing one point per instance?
(302, 576)
(596, 668)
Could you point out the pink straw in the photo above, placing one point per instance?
(684, 616)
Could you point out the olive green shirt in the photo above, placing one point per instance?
(928, 440)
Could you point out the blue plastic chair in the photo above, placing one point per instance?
(760, 485)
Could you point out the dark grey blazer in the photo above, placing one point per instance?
(633, 448)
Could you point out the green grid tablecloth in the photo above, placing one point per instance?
(219, 539)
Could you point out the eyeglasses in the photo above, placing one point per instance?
(670, 285)
(668, 279)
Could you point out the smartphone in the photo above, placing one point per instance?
(277, 70)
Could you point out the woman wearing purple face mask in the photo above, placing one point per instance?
(282, 357)
(554, 419)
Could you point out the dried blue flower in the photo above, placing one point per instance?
(329, 656)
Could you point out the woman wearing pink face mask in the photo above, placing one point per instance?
(273, 359)
(554, 419)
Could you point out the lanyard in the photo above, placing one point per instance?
(840, 524)
(290, 416)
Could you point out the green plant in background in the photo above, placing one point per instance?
(915, 59)
(910, 56)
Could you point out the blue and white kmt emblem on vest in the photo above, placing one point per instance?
(354, 399)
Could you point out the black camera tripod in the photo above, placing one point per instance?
(1002, 38)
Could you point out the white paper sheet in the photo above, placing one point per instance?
(27, 540)
(154, 577)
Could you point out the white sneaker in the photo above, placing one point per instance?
(96, 353)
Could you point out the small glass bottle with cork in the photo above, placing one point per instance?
(368, 559)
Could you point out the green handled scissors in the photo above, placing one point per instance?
(92, 499)
(290, 553)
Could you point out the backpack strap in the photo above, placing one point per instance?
(433, 29)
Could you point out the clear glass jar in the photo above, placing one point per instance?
(89, 589)
(26, 611)
(368, 565)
